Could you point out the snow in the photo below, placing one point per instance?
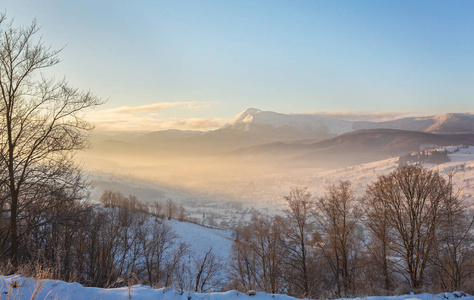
(299, 121)
(21, 288)
(462, 161)
(443, 123)
(202, 238)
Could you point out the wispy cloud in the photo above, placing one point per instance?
(156, 107)
(195, 123)
(363, 115)
(153, 124)
(147, 118)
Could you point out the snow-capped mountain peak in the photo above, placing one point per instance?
(253, 117)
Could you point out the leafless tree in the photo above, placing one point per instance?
(173, 262)
(298, 236)
(208, 269)
(156, 241)
(110, 198)
(170, 209)
(453, 257)
(412, 199)
(338, 214)
(258, 255)
(181, 213)
(380, 234)
(42, 121)
(243, 267)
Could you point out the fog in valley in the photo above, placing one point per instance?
(256, 158)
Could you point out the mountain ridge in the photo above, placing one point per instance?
(285, 127)
(354, 147)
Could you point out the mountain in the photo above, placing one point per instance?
(170, 134)
(254, 127)
(253, 119)
(292, 127)
(288, 136)
(250, 128)
(354, 147)
(448, 123)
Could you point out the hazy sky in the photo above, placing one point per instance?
(196, 64)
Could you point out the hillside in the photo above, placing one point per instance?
(202, 238)
(355, 147)
(461, 160)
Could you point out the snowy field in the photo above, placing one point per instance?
(20, 288)
(202, 238)
(461, 160)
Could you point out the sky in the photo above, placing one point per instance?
(196, 64)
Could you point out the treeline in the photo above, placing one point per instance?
(408, 233)
(421, 157)
(120, 242)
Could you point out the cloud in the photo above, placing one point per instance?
(147, 118)
(156, 107)
(196, 123)
(152, 124)
(363, 115)
(111, 120)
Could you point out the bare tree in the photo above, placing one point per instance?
(453, 258)
(243, 267)
(298, 235)
(338, 214)
(380, 233)
(173, 262)
(170, 209)
(181, 214)
(208, 270)
(156, 209)
(42, 120)
(258, 255)
(412, 197)
(110, 198)
(156, 241)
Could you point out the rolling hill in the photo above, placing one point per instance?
(354, 147)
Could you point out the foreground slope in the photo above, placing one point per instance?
(202, 238)
(21, 288)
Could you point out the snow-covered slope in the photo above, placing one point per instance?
(461, 160)
(202, 238)
(58, 290)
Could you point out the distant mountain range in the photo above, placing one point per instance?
(269, 135)
(306, 125)
(447, 123)
(354, 147)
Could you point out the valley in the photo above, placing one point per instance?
(222, 181)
